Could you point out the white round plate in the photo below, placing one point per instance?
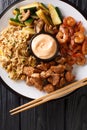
(21, 87)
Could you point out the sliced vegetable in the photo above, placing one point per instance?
(54, 15)
(16, 11)
(49, 19)
(50, 15)
(28, 22)
(43, 6)
(45, 9)
(32, 10)
(17, 17)
(59, 13)
(42, 16)
(14, 22)
(31, 5)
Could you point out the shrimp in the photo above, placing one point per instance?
(84, 47)
(71, 31)
(79, 27)
(63, 49)
(79, 37)
(77, 49)
(69, 21)
(79, 59)
(62, 36)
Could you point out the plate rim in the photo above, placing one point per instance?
(2, 14)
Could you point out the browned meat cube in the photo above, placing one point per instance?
(28, 70)
(36, 70)
(68, 67)
(37, 82)
(35, 75)
(43, 66)
(62, 82)
(58, 69)
(46, 74)
(29, 81)
(43, 74)
(69, 76)
(49, 88)
(54, 79)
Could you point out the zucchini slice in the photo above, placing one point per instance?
(42, 16)
(31, 5)
(14, 22)
(32, 10)
(54, 15)
(28, 22)
(16, 11)
(16, 17)
(59, 13)
(45, 9)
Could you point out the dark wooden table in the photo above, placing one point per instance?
(68, 113)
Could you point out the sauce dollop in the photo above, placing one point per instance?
(44, 46)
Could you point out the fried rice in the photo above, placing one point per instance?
(14, 51)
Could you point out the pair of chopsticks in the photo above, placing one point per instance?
(54, 95)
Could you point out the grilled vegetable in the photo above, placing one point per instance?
(31, 5)
(28, 22)
(45, 9)
(17, 17)
(54, 15)
(15, 22)
(16, 11)
(32, 10)
(59, 13)
(25, 15)
(42, 16)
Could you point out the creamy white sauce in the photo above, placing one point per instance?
(44, 46)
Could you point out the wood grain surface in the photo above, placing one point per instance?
(68, 113)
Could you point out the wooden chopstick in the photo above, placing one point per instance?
(56, 94)
(37, 100)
